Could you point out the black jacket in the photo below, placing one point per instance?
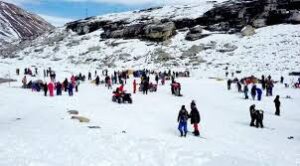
(195, 116)
(183, 116)
(277, 102)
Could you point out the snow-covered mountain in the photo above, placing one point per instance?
(206, 35)
(16, 23)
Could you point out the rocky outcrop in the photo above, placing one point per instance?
(160, 31)
(232, 16)
(228, 17)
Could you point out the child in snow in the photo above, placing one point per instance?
(182, 118)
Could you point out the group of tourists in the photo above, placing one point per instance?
(53, 87)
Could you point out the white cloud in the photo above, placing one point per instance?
(56, 21)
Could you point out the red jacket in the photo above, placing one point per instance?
(121, 88)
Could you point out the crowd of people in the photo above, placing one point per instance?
(120, 95)
(267, 85)
(49, 88)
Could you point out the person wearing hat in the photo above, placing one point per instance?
(195, 118)
(182, 118)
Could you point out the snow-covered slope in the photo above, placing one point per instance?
(270, 48)
(15, 23)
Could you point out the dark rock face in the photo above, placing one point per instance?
(228, 17)
(15, 20)
(234, 15)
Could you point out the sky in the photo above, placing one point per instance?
(59, 12)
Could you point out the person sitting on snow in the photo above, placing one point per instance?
(182, 118)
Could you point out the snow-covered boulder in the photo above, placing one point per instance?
(248, 31)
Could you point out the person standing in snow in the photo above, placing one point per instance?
(45, 88)
(17, 71)
(77, 82)
(259, 94)
(51, 89)
(89, 76)
(58, 88)
(65, 84)
(134, 86)
(239, 86)
(253, 92)
(195, 118)
(97, 81)
(246, 90)
(263, 82)
(156, 79)
(70, 89)
(229, 81)
(24, 82)
(252, 114)
(281, 79)
(182, 118)
(277, 105)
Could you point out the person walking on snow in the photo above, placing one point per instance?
(195, 118)
(182, 118)
(134, 86)
(51, 89)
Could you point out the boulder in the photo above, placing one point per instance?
(81, 119)
(295, 17)
(73, 112)
(248, 31)
(195, 33)
(160, 31)
(196, 29)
